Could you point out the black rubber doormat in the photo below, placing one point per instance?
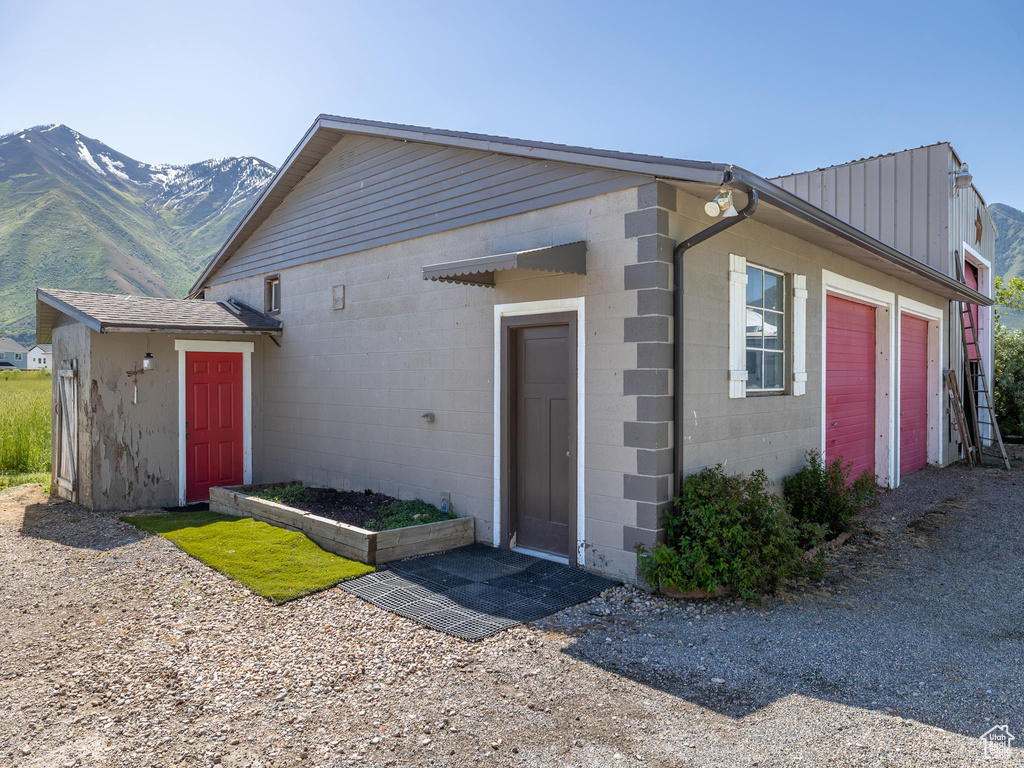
(476, 591)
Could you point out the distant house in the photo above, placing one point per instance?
(12, 354)
(550, 336)
(39, 357)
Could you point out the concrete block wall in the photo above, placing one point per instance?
(345, 392)
(770, 432)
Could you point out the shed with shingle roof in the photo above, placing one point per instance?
(122, 418)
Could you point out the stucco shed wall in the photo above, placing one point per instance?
(128, 451)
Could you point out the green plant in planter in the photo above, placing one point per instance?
(822, 494)
(727, 531)
(284, 494)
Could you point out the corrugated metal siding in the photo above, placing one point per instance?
(901, 199)
(368, 192)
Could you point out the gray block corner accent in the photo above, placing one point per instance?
(648, 328)
(649, 488)
(650, 382)
(649, 221)
(654, 355)
(650, 515)
(654, 248)
(657, 194)
(632, 538)
(648, 435)
(658, 462)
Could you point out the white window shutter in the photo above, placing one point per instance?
(737, 326)
(799, 334)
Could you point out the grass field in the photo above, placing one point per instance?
(277, 564)
(24, 427)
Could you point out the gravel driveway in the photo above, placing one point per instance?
(118, 649)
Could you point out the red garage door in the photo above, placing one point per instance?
(913, 394)
(850, 383)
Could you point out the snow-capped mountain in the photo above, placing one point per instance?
(76, 213)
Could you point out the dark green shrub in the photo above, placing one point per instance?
(821, 494)
(1009, 380)
(405, 513)
(726, 531)
(284, 494)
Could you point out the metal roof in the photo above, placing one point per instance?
(107, 313)
(570, 259)
(779, 208)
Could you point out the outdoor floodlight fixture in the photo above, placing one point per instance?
(962, 179)
(721, 205)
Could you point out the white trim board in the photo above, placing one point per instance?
(886, 470)
(537, 308)
(936, 365)
(194, 345)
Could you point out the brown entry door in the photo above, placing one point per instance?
(543, 396)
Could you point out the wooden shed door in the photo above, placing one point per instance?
(214, 432)
(913, 394)
(67, 433)
(850, 383)
(543, 382)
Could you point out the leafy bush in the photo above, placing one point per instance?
(727, 531)
(405, 513)
(283, 494)
(821, 494)
(1009, 380)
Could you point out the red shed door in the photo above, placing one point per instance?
(913, 394)
(213, 422)
(850, 383)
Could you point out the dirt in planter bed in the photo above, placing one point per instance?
(352, 507)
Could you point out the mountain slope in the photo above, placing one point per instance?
(1009, 250)
(75, 213)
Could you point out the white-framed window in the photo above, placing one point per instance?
(273, 294)
(17, 355)
(3, 355)
(765, 313)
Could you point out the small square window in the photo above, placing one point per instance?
(273, 295)
(765, 312)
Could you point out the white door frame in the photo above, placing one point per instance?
(194, 345)
(936, 365)
(886, 470)
(537, 308)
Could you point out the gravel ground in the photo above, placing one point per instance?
(118, 649)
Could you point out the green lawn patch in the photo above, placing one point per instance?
(277, 564)
(9, 481)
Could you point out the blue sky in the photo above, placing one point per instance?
(775, 87)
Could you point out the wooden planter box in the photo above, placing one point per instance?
(371, 547)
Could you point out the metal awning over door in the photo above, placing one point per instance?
(567, 259)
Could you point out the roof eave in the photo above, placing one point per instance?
(797, 206)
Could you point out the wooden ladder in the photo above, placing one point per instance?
(979, 396)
